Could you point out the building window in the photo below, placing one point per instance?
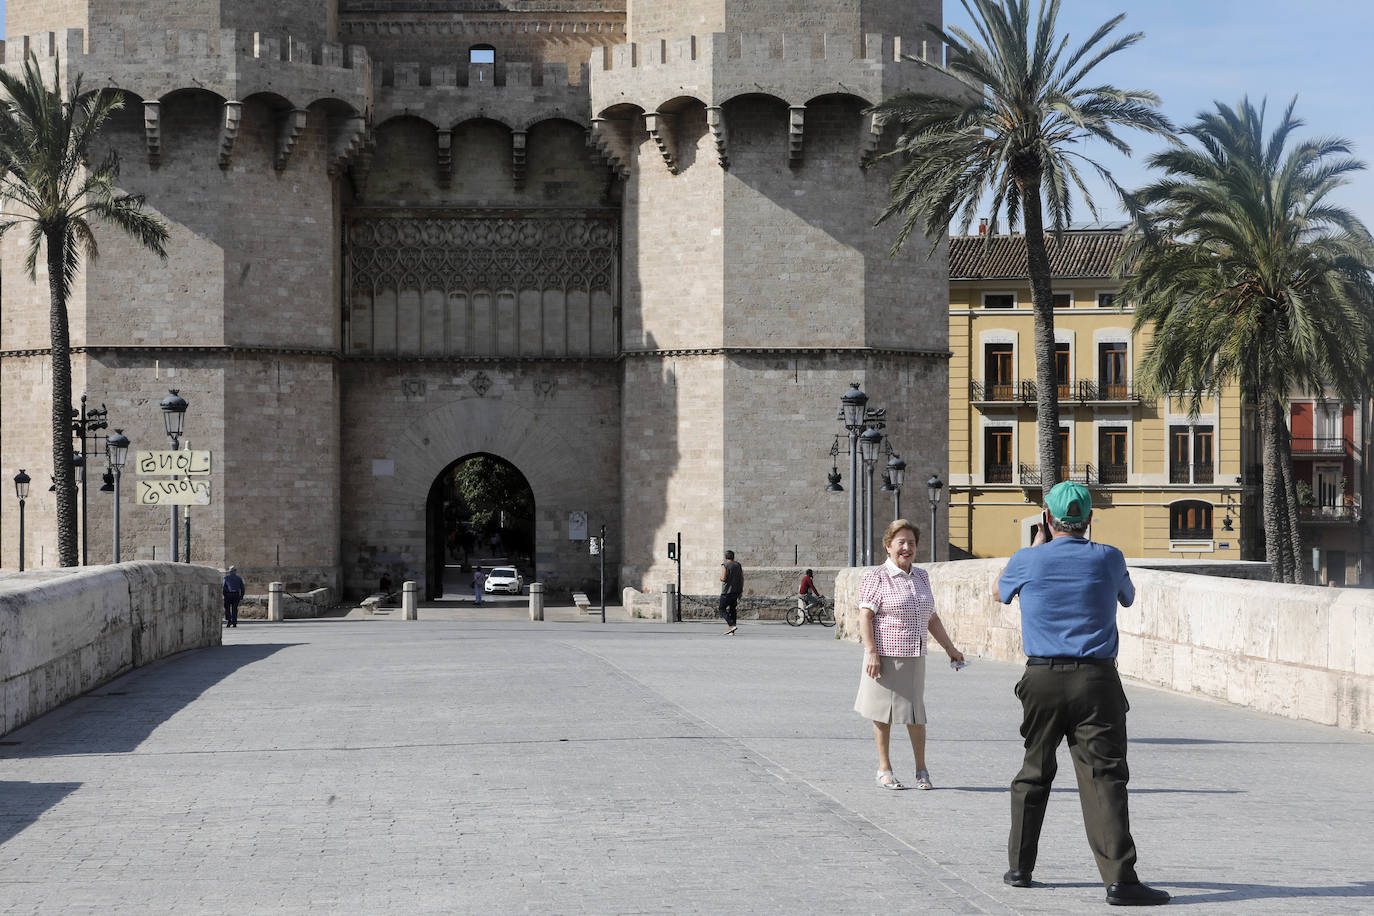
(1106, 300)
(1111, 454)
(1111, 371)
(481, 54)
(1190, 454)
(999, 300)
(997, 454)
(1061, 371)
(1063, 300)
(999, 378)
(1190, 520)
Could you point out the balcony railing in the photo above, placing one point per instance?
(1330, 445)
(1112, 473)
(997, 473)
(1117, 392)
(1343, 513)
(1068, 391)
(1083, 473)
(1001, 392)
(1190, 534)
(1202, 473)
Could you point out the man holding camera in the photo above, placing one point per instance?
(1069, 589)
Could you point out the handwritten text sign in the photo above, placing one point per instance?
(174, 492)
(156, 464)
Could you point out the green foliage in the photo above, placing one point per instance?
(486, 486)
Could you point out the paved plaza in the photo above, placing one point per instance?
(476, 762)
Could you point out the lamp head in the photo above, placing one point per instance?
(896, 470)
(21, 485)
(933, 487)
(174, 413)
(834, 478)
(852, 405)
(117, 449)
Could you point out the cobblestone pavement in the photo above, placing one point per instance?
(496, 765)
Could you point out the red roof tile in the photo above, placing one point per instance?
(1079, 253)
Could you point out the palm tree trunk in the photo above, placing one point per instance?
(1290, 503)
(1042, 300)
(63, 472)
(1275, 528)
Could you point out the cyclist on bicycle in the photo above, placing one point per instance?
(809, 594)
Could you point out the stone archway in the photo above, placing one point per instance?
(480, 511)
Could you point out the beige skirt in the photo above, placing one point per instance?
(897, 695)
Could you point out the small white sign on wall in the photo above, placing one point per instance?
(577, 526)
(383, 467)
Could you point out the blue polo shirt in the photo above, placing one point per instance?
(1069, 590)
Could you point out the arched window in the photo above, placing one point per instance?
(1190, 520)
(481, 54)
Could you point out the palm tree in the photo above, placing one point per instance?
(1251, 275)
(1015, 134)
(46, 181)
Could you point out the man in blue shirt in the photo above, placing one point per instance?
(1069, 589)
(232, 589)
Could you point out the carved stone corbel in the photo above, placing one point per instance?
(361, 166)
(605, 138)
(152, 131)
(715, 122)
(288, 132)
(661, 133)
(229, 132)
(444, 143)
(518, 141)
(346, 143)
(796, 126)
(872, 137)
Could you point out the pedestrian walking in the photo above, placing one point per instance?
(232, 589)
(896, 615)
(1069, 589)
(479, 580)
(732, 577)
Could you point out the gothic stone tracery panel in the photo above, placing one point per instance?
(483, 283)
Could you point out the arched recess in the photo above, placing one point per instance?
(404, 162)
(480, 511)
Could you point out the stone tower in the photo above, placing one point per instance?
(406, 232)
(755, 286)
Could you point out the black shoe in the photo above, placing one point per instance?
(1018, 878)
(1133, 893)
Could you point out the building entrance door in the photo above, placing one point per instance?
(480, 513)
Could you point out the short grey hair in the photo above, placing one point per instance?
(1069, 527)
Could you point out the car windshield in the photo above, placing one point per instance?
(507, 573)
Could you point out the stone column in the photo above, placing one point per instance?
(409, 607)
(536, 601)
(669, 602)
(274, 601)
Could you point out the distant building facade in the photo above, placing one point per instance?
(626, 247)
(1164, 483)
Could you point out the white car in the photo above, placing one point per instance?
(505, 579)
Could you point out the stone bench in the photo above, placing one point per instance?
(583, 603)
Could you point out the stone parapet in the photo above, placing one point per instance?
(1291, 650)
(447, 95)
(231, 63)
(66, 631)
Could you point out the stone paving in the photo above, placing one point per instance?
(480, 763)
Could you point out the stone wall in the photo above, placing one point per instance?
(1291, 650)
(65, 632)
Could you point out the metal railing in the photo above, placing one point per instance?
(1342, 513)
(1107, 391)
(1001, 392)
(1068, 391)
(1112, 473)
(1328, 445)
(1201, 473)
(997, 473)
(1190, 534)
(1083, 473)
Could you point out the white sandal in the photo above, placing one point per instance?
(894, 784)
(923, 780)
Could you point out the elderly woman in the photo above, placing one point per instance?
(896, 612)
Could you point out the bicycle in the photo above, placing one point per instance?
(811, 610)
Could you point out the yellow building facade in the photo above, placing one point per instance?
(1165, 484)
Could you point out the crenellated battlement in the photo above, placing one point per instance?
(516, 94)
(229, 62)
(793, 67)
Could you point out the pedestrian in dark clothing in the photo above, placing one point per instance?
(232, 589)
(385, 585)
(1069, 589)
(732, 575)
(479, 581)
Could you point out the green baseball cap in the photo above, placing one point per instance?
(1069, 501)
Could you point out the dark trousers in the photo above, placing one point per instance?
(231, 609)
(1085, 704)
(727, 607)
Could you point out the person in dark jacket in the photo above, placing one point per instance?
(232, 588)
(732, 577)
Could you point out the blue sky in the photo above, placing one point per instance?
(1197, 51)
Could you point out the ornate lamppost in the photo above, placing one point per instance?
(116, 453)
(933, 487)
(869, 444)
(853, 406)
(892, 480)
(86, 424)
(174, 420)
(21, 489)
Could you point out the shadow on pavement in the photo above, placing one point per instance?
(1072, 790)
(116, 717)
(1233, 893)
(22, 803)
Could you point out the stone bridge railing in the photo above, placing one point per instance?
(66, 631)
(1292, 650)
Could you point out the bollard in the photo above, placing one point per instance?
(536, 601)
(668, 603)
(274, 601)
(410, 609)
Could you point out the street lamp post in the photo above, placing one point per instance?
(853, 406)
(85, 424)
(933, 487)
(892, 482)
(116, 453)
(21, 489)
(869, 444)
(174, 420)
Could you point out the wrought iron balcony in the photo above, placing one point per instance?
(1083, 473)
(997, 473)
(1201, 473)
(1331, 445)
(1112, 473)
(1016, 392)
(1190, 534)
(1344, 514)
(1108, 392)
(1068, 391)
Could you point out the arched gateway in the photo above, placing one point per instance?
(480, 512)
